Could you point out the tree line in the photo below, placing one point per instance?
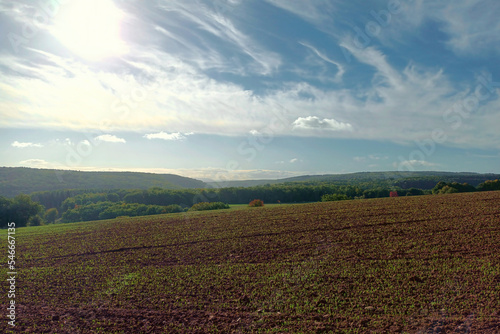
(84, 205)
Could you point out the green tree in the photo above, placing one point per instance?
(438, 187)
(51, 215)
(5, 204)
(22, 209)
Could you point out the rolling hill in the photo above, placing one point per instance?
(17, 180)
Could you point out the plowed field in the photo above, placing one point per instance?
(428, 264)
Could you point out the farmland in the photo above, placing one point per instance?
(425, 264)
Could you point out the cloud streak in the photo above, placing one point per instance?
(25, 145)
(166, 136)
(109, 139)
(313, 122)
(340, 67)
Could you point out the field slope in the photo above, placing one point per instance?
(426, 264)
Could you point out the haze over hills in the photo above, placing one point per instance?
(17, 180)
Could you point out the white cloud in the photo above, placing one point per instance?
(167, 136)
(314, 122)
(294, 160)
(177, 98)
(25, 145)
(107, 138)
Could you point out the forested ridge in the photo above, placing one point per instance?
(20, 180)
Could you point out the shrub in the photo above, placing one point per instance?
(489, 185)
(414, 192)
(256, 202)
(334, 197)
(209, 206)
(35, 221)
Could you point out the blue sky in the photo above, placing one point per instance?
(250, 89)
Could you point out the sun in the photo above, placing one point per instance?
(90, 28)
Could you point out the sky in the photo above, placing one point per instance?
(250, 89)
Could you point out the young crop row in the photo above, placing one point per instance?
(422, 264)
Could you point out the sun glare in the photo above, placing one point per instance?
(90, 28)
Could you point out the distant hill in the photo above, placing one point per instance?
(17, 180)
(421, 180)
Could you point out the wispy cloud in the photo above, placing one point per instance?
(340, 67)
(313, 11)
(167, 136)
(471, 27)
(204, 18)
